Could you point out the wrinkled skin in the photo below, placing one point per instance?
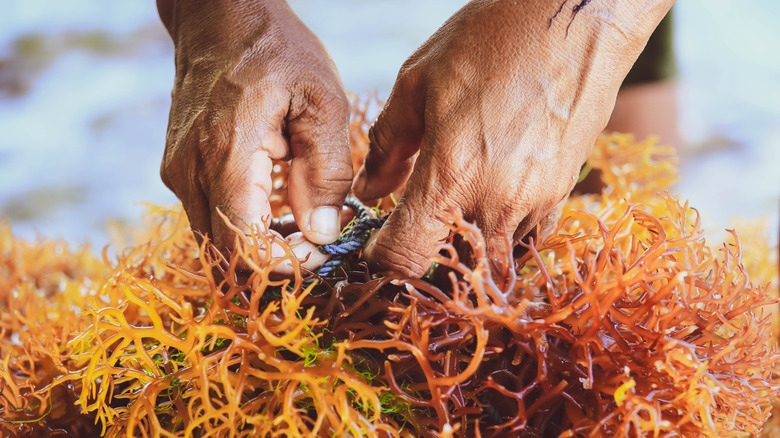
(493, 115)
(254, 84)
(504, 107)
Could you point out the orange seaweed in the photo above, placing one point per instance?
(624, 322)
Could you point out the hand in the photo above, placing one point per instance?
(254, 84)
(503, 103)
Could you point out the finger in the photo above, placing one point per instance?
(286, 225)
(243, 202)
(303, 250)
(411, 235)
(548, 217)
(241, 194)
(321, 168)
(282, 255)
(544, 221)
(549, 221)
(194, 201)
(394, 139)
(197, 208)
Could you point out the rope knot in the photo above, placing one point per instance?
(352, 239)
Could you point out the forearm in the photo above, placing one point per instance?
(198, 25)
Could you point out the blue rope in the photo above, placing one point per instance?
(352, 238)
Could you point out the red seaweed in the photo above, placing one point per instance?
(623, 322)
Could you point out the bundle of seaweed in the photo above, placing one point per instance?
(624, 322)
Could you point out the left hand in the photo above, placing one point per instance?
(253, 84)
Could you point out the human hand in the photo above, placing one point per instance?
(254, 84)
(503, 103)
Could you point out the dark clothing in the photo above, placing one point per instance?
(656, 63)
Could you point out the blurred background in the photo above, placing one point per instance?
(85, 92)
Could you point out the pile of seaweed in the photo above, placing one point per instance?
(623, 322)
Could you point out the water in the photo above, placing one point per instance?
(85, 89)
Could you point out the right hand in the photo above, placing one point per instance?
(254, 84)
(503, 104)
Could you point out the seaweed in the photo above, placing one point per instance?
(623, 322)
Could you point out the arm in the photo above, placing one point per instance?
(503, 104)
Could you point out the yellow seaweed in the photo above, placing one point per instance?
(624, 322)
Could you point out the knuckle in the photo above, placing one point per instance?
(330, 157)
(409, 74)
(406, 89)
(320, 128)
(331, 175)
(406, 76)
(398, 255)
(331, 179)
(327, 169)
(409, 238)
(332, 97)
(165, 175)
(406, 70)
(320, 100)
(379, 140)
(171, 170)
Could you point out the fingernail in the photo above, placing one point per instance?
(323, 225)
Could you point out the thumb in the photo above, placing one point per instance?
(321, 168)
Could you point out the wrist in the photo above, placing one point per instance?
(198, 26)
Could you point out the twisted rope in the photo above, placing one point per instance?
(352, 238)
